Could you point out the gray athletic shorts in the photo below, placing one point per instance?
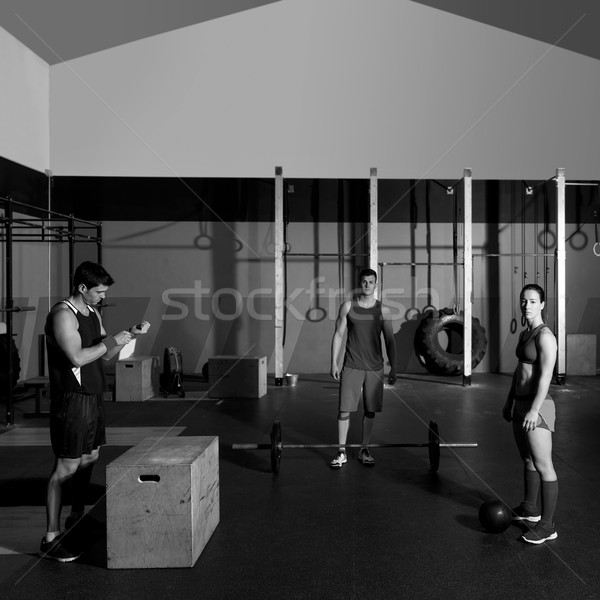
(354, 384)
(547, 411)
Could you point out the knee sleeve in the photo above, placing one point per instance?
(343, 416)
(369, 414)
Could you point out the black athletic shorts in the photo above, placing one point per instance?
(76, 424)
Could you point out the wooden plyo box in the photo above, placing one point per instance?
(162, 502)
(136, 378)
(237, 377)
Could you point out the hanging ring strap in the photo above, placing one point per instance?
(513, 322)
(523, 246)
(513, 266)
(203, 241)
(286, 249)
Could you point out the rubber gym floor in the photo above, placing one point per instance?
(391, 531)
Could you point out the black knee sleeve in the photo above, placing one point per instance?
(369, 415)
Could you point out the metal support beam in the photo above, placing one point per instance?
(9, 305)
(279, 277)
(467, 275)
(561, 298)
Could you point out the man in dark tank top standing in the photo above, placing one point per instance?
(76, 341)
(364, 319)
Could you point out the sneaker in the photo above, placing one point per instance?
(339, 460)
(522, 513)
(57, 550)
(540, 533)
(365, 458)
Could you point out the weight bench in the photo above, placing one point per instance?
(39, 385)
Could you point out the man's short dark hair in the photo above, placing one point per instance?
(366, 273)
(91, 274)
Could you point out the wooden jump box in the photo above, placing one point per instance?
(237, 377)
(162, 502)
(136, 378)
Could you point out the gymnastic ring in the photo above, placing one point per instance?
(428, 308)
(523, 321)
(597, 248)
(237, 244)
(513, 326)
(270, 248)
(579, 246)
(203, 242)
(408, 316)
(314, 318)
(541, 237)
(429, 350)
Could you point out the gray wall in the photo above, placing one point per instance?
(219, 300)
(329, 89)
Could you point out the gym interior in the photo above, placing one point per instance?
(234, 169)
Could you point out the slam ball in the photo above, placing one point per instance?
(495, 516)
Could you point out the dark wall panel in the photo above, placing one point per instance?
(23, 184)
(305, 200)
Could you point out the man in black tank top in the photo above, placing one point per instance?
(76, 341)
(364, 320)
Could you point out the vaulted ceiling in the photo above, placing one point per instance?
(569, 24)
(61, 30)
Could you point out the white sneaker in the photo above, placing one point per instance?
(540, 533)
(365, 457)
(339, 460)
(522, 513)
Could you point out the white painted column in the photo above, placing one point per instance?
(561, 259)
(468, 276)
(279, 277)
(373, 222)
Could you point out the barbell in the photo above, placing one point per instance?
(276, 446)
